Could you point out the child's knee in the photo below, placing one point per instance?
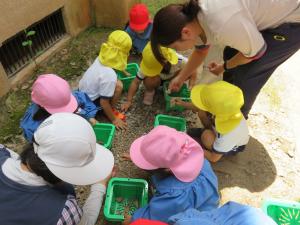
(152, 82)
(208, 138)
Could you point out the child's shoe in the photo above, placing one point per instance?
(119, 115)
(148, 97)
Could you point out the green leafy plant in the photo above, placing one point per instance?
(28, 43)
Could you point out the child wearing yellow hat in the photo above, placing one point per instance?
(228, 133)
(100, 81)
(152, 73)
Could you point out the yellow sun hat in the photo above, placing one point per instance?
(221, 99)
(150, 66)
(114, 53)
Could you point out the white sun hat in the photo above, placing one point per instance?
(66, 143)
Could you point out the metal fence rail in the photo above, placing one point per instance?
(14, 56)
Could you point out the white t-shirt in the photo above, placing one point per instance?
(98, 81)
(236, 23)
(238, 137)
(182, 60)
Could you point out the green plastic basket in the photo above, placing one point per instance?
(124, 195)
(131, 68)
(283, 212)
(175, 122)
(105, 133)
(184, 93)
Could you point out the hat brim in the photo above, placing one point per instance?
(191, 167)
(139, 27)
(173, 59)
(225, 126)
(149, 72)
(96, 170)
(70, 107)
(137, 158)
(196, 96)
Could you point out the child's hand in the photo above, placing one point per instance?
(120, 124)
(127, 74)
(125, 106)
(176, 101)
(112, 174)
(126, 157)
(127, 219)
(93, 121)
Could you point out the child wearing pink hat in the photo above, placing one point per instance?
(182, 178)
(139, 27)
(52, 94)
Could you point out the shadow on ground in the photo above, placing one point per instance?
(252, 169)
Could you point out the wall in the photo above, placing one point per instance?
(17, 15)
(112, 13)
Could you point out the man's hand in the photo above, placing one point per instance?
(216, 68)
(175, 84)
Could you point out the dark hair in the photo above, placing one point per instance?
(166, 68)
(41, 114)
(161, 173)
(168, 23)
(30, 158)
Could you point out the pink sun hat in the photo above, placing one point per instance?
(165, 147)
(53, 94)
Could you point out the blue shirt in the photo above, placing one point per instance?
(173, 196)
(87, 109)
(231, 213)
(139, 41)
(23, 204)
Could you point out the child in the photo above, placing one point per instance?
(228, 133)
(139, 28)
(35, 187)
(100, 80)
(182, 178)
(231, 213)
(152, 73)
(51, 94)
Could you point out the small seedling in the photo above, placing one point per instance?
(28, 42)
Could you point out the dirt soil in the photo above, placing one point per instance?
(269, 167)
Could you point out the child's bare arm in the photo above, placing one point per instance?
(208, 138)
(106, 106)
(211, 156)
(186, 105)
(205, 120)
(131, 92)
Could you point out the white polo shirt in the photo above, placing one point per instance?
(236, 23)
(98, 81)
(232, 141)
